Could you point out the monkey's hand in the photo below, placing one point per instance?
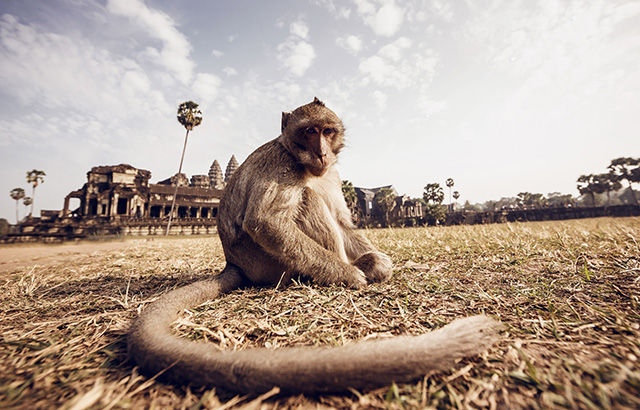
(375, 265)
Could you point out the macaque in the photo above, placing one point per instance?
(282, 217)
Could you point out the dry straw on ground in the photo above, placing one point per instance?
(567, 292)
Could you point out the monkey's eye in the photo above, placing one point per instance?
(311, 131)
(328, 132)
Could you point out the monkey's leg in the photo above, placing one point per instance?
(375, 265)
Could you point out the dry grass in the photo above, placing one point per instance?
(567, 291)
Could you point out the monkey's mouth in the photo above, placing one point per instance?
(318, 171)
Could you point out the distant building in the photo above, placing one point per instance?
(120, 200)
(122, 191)
(367, 212)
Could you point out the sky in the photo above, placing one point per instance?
(503, 96)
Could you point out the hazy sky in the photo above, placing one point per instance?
(503, 96)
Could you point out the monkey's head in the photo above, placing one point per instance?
(314, 135)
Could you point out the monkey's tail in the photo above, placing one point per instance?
(362, 365)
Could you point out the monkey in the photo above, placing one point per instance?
(283, 216)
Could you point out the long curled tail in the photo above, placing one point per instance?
(361, 365)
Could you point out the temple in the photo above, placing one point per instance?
(121, 200)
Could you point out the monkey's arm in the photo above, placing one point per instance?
(361, 253)
(270, 220)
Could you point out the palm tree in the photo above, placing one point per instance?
(456, 196)
(385, 200)
(349, 192)
(190, 117)
(34, 177)
(27, 201)
(449, 182)
(433, 193)
(17, 194)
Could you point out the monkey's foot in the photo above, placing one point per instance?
(375, 265)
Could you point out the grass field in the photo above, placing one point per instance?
(567, 292)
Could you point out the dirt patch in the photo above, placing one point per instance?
(18, 256)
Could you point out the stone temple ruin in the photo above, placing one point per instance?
(120, 200)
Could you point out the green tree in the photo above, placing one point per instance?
(587, 185)
(433, 193)
(629, 169)
(530, 200)
(434, 214)
(351, 199)
(34, 177)
(349, 192)
(449, 183)
(607, 183)
(190, 117)
(17, 194)
(557, 199)
(385, 200)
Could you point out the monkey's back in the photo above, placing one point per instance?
(268, 171)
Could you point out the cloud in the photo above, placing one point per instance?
(443, 10)
(399, 65)
(385, 20)
(217, 53)
(295, 53)
(351, 43)
(57, 71)
(430, 107)
(380, 99)
(339, 12)
(558, 47)
(176, 49)
(299, 29)
(230, 71)
(206, 87)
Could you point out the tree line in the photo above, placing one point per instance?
(621, 169)
(592, 188)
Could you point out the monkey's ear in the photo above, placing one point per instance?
(285, 119)
(316, 101)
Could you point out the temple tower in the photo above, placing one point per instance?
(232, 166)
(215, 176)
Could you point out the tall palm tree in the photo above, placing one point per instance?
(456, 195)
(190, 117)
(17, 194)
(27, 201)
(449, 182)
(34, 177)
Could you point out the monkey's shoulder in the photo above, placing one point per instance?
(272, 163)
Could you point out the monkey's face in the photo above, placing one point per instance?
(315, 147)
(314, 135)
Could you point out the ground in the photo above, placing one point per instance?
(566, 292)
(25, 255)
